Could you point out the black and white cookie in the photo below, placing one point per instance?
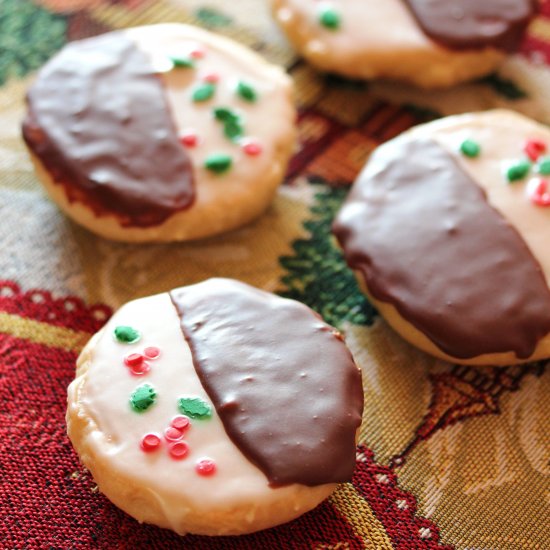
(447, 228)
(216, 409)
(160, 133)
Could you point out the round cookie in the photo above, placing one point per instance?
(160, 133)
(216, 409)
(447, 229)
(429, 44)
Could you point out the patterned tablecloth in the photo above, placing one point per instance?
(449, 456)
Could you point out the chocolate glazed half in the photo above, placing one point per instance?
(99, 121)
(425, 239)
(282, 381)
(469, 24)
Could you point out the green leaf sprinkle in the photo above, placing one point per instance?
(543, 167)
(518, 170)
(195, 407)
(126, 334)
(470, 148)
(247, 92)
(143, 397)
(225, 114)
(204, 92)
(218, 163)
(183, 62)
(330, 18)
(212, 18)
(233, 128)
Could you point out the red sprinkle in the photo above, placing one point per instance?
(189, 139)
(180, 423)
(178, 450)
(173, 434)
(211, 78)
(133, 360)
(205, 467)
(141, 369)
(534, 148)
(197, 54)
(151, 352)
(150, 442)
(538, 190)
(252, 148)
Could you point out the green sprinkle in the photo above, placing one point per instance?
(543, 167)
(247, 92)
(127, 335)
(233, 128)
(470, 148)
(204, 92)
(218, 163)
(143, 397)
(195, 407)
(212, 18)
(518, 170)
(225, 114)
(330, 18)
(183, 62)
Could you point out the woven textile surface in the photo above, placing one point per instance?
(448, 456)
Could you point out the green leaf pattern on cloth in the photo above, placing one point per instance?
(317, 273)
(29, 36)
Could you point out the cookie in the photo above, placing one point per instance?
(429, 44)
(216, 409)
(160, 133)
(447, 228)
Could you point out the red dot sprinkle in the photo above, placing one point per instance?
(141, 369)
(173, 434)
(151, 352)
(133, 360)
(534, 148)
(189, 139)
(211, 78)
(538, 190)
(197, 54)
(178, 449)
(252, 148)
(180, 423)
(150, 442)
(205, 467)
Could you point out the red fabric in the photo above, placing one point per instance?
(49, 501)
(69, 312)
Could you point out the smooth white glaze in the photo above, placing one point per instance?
(369, 25)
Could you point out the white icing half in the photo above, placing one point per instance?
(115, 438)
(268, 120)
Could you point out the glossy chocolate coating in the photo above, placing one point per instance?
(469, 24)
(99, 121)
(282, 381)
(425, 239)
